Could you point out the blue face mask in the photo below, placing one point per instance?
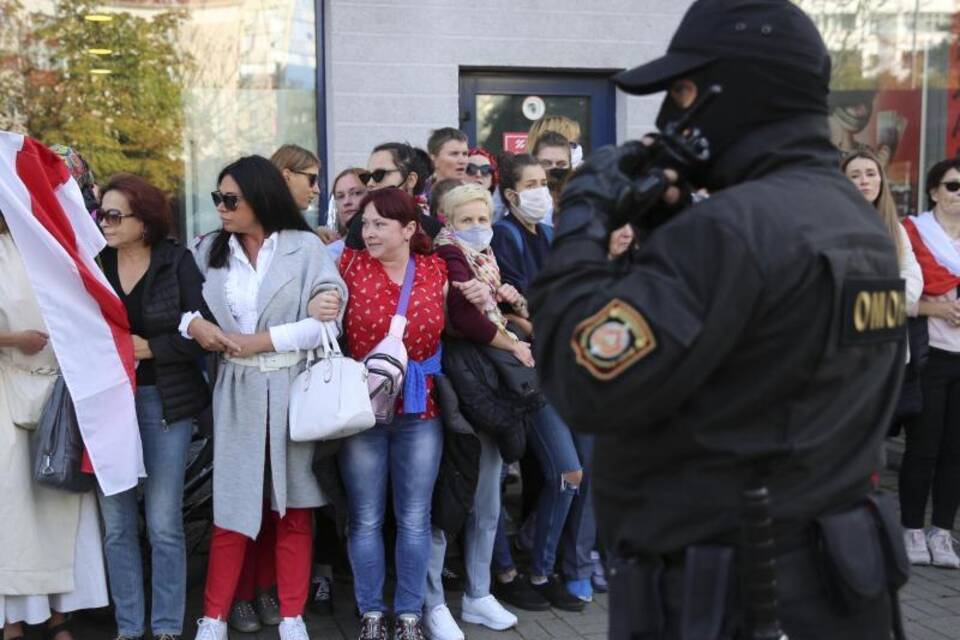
(476, 237)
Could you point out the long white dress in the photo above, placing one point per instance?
(49, 540)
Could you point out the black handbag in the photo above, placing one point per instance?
(57, 447)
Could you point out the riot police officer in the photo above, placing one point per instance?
(755, 342)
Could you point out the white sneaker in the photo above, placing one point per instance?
(488, 612)
(940, 542)
(293, 629)
(916, 543)
(211, 629)
(439, 624)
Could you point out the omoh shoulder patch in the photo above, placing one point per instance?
(612, 339)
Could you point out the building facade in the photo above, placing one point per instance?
(176, 89)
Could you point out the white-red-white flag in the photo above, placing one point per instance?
(87, 322)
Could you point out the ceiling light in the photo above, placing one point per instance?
(100, 52)
(97, 17)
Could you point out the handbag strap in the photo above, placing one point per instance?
(407, 288)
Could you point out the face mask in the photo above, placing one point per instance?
(576, 155)
(476, 237)
(535, 204)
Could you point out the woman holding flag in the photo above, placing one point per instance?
(931, 460)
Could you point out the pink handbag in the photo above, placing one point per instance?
(387, 362)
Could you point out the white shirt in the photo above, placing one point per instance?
(241, 290)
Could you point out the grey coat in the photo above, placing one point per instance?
(250, 406)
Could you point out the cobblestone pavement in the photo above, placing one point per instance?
(931, 607)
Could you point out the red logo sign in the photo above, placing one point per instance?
(515, 141)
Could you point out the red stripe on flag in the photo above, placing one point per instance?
(43, 173)
(937, 279)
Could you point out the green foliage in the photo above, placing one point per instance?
(128, 120)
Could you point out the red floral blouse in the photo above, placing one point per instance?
(372, 302)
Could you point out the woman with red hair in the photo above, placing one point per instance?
(407, 450)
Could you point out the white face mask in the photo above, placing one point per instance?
(576, 155)
(476, 237)
(535, 204)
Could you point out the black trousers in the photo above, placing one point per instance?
(807, 610)
(931, 459)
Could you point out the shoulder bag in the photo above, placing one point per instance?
(57, 445)
(387, 362)
(329, 399)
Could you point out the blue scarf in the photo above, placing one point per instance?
(415, 382)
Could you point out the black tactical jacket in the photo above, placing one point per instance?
(757, 337)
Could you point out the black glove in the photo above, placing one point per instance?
(616, 185)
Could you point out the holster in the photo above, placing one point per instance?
(861, 553)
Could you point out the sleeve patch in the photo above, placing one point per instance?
(611, 340)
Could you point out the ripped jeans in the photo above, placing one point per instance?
(554, 447)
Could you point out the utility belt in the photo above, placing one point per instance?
(271, 361)
(850, 560)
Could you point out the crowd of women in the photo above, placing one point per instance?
(228, 324)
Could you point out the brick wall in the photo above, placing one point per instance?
(393, 65)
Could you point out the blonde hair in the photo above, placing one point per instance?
(294, 158)
(569, 129)
(884, 204)
(464, 194)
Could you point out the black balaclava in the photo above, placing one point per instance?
(755, 93)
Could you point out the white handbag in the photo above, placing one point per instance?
(330, 399)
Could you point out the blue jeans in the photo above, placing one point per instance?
(479, 531)
(165, 449)
(408, 449)
(580, 533)
(553, 445)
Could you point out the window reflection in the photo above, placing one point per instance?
(894, 87)
(170, 91)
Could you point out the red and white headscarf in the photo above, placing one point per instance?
(937, 254)
(88, 326)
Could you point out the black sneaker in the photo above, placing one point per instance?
(520, 593)
(408, 628)
(322, 603)
(557, 595)
(452, 581)
(268, 609)
(373, 626)
(243, 617)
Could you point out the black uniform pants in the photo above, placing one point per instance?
(806, 608)
(932, 455)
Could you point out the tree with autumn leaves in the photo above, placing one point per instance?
(111, 89)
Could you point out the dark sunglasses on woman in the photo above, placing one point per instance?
(377, 175)
(479, 169)
(112, 217)
(952, 185)
(311, 177)
(230, 200)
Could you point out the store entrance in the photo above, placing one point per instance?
(498, 107)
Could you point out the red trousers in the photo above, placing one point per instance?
(287, 539)
(260, 563)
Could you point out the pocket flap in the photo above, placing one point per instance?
(853, 548)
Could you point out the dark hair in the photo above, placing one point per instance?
(439, 190)
(148, 203)
(424, 168)
(511, 169)
(405, 158)
(551, 139)
(396, 204)
(935, 176)
(264, 189)
(443, 135)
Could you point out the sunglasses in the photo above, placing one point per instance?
(230, 200)
(311, 177)
(112, 217)
(952, 186)
(479, 169)
(377, 175)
